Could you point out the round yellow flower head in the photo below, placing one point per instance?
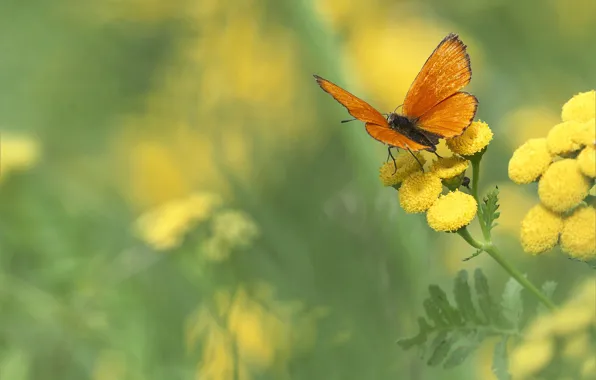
(578, 238)
(529, 161)
(530, 357)
(419, 191)
(452, 212)
(406, 165)
(475, 138)
(582, 107)
(540, 230)
(587, 161)
(562, 137)
(587, 133)
(563, 186)
(449, 167)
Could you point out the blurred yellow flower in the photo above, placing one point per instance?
(568, 325)
(406, 165)
(419, 191)
(527, 123)
(164, 227)
(581, 107)
(530, 357)
(578, 238)
(562, 137)
(110, 365)
(475, 138)
(540, 230)
(231, 229)
(563, 186)
(452, 211)
(529, 161)
(587, 161)
(17, 152)
(248, 334)
(449, 167)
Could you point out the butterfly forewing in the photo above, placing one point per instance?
(445, 72)
(356, 107)
(450, 117)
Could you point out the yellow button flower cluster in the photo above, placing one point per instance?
(564, 165)
(570, 327)
(422, 191)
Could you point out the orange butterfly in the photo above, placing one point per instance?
(434, 106)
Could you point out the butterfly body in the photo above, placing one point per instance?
(434, 106)
(408, 128)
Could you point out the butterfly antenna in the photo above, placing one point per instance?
(347, 121)
(401, 105)
(416, 158)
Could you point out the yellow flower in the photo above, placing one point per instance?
(587, 133)
(529, 161)
(449, 167)
(452, 211)
(164, 227)
(578, 238)
(572, 318)
(419, 191)
(472, 141)
(17, 152)
(562, 137)
(563, 186)
(231, 230)
(406, 165)
(582, 107)
(530, 357)
(586, 161)
(540, 230)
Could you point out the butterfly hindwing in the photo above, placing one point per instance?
(450, 117)
(445, 72)
(391, 137)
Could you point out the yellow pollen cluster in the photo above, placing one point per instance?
(452, 212)
(475, 138)
(529, 161)
(564, 163)
(406, 164)
(419, 191)
(449, 167)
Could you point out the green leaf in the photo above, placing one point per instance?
(478, 251)
(463, 297)
(488, 208)
(419, 339)
(434, 313)
(512, 302)
(466, 345)
(500, 365)
(450, 333)
(440, 348)
(548, 288)
(439, 297)
(484, 299)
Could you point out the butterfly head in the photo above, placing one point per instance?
(397, 121)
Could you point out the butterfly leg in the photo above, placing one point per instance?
(416, 158)
(393, 158)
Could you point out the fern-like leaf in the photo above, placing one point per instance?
(489, 209)
(450, 332)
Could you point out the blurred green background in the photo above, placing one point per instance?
(178, 199)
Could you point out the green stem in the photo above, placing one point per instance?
(464, 233)
(475, 177)
(523, 281)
